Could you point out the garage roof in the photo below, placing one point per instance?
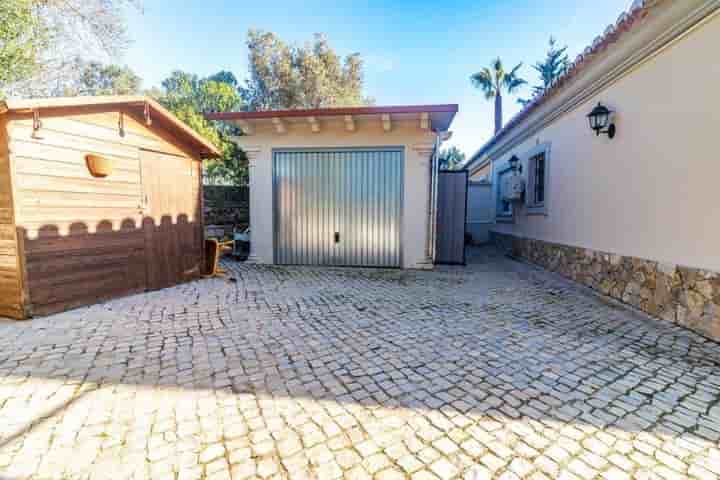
(134, 106)
(439, 117)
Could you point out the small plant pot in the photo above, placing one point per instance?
(99, 167)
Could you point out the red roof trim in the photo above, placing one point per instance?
(326, 112)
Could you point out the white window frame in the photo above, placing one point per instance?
(532, 207)
(502, 216)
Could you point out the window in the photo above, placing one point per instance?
(503, 209)
(538, 162)
(537, 165)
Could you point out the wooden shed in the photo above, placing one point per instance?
(99, 197)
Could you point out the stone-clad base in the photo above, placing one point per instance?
(687, 296)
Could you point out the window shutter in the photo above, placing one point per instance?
(530, 190)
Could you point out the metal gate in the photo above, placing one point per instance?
(338, 207)
(451, 217)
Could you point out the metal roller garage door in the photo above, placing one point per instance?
(338, 207)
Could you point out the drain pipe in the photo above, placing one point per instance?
(440, 137)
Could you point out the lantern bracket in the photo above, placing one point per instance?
(121, 124)
(37, 123)
(146, 114)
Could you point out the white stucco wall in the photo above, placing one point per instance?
(368, 133)
(481, 211)
(654, 190)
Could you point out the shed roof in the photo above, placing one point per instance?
(440, 116)
(133, 105)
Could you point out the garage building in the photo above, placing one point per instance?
(343, 186)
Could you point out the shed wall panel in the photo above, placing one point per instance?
(10, 278)
(102, 130)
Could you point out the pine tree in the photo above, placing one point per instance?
(550, 69)
(553, 67)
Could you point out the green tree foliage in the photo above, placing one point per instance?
(189, 97)
(90, 78)
(312, 76)
(216, 93)
(495, 80)
(42, 41)
(451, 158)
(22, 39)
(225, 77)
(553, 67)
(550, 69)
(86, 27)
(98, 79)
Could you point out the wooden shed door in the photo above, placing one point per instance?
(172, 232)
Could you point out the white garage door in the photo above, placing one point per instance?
(338, 207)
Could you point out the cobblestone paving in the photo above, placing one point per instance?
(491, 371)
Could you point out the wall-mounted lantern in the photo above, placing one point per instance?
(512, 186)
(600, 121)
(514, 163)
(99, 167)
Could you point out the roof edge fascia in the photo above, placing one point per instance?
(668, 28)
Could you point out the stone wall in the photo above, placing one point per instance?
(687, 296)
(226, 206)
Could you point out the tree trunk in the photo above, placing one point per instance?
(498, 112)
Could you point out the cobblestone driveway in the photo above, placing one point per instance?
(492, 371)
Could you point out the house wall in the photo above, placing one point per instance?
(82, 236)
(481, 212)
(368, 133)
(648, 195)
(10, 276)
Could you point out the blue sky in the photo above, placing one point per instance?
(416, 52)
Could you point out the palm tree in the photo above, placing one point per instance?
(493, 81)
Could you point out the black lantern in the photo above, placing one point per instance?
(600, 120)
(514, 163)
